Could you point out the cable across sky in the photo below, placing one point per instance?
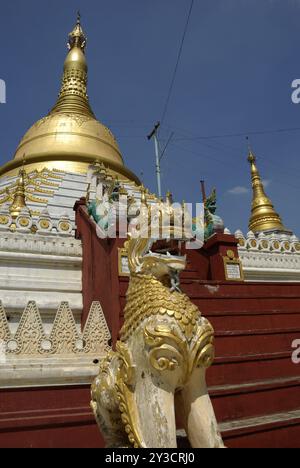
(177, 63)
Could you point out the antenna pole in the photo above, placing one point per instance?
(203, 191)
(153, 135)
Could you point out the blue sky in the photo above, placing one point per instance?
(239, 60)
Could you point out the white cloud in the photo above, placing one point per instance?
(266, 183)
(238, 190)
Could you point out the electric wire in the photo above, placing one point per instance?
(177, 64)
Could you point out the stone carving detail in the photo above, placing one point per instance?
(26, 224)
(4, 329)
(44, 223)
(64, 340)
(96, 334)
(272, 243)
(277, 255)
(35, 190)
(64, 225)
(5, 218)
(30, 332)
(64, 336)
(24, 221)
(36, 244)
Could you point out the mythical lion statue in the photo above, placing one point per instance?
(159, 366)
(212, 223)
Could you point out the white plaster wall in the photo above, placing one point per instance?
(44, 269)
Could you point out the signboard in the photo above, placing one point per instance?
(233, 267)
(123, 263)
(233, 271)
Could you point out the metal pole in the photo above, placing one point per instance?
(157, 155)
(158, 170)
(203, 191)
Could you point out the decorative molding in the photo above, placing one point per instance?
(47, 245)
(4, 329)
(269, 257)
(65, 339)
(96, 334)
(44, 224)
(64, 226)
(274, 242)
(40, 198)
(30, 333)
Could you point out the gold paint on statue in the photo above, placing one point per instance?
(124, 385)
(161, 301)
(169, 348)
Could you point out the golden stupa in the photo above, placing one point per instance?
(70, 137)
(19, 200)
(263, 215)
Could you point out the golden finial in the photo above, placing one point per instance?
(251, 156)
(77, 37)
(73, 97)
(263, 215)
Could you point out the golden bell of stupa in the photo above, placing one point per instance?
(70, 137)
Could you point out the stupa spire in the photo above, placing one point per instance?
(77, 37)
(73, 97)
(263, 215)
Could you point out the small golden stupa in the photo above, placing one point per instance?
(263, 215)
(19, 199)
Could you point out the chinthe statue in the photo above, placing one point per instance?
(159, 366)
(213, 224)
